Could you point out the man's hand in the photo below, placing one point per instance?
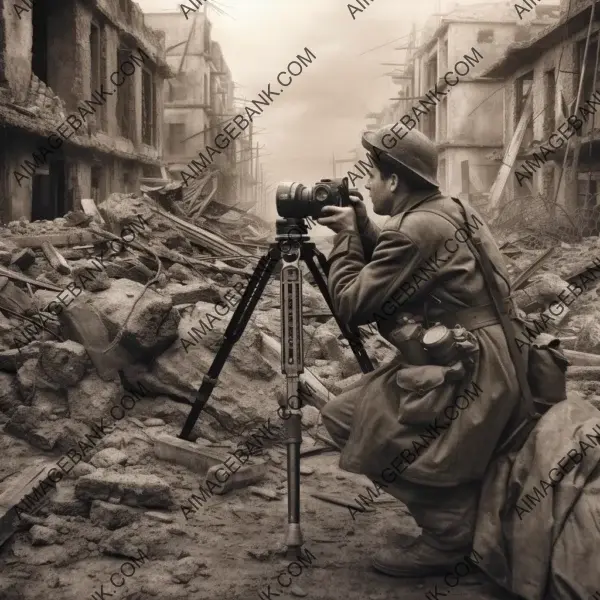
(360, 209)
(338, 218)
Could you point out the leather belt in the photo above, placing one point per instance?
(473, 318)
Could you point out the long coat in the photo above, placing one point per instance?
(402, 423)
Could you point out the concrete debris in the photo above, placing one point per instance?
(132, 490)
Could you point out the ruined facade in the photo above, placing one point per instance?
(460, 120)
(80, 103)
(550, 67)
(198, 103)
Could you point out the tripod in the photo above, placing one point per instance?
(291, 245)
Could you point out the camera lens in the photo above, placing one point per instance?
(321, 194)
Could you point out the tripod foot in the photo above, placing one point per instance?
(294, 539)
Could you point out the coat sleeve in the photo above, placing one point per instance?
(358, 287)
(369, 232)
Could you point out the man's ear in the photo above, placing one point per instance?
(394, 183)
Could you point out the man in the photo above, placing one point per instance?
(394, 425)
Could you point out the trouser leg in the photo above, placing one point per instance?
(337, 416)
(447, 516)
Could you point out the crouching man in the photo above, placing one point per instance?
(425, 426)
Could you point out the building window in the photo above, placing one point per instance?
(96, 177)
(125, 100)
(550, 100)
(97, 79)
(148, 108)
(175, 142)
(485, 36)
(523, 89)
(177, 88)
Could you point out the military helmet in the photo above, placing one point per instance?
(414, 152)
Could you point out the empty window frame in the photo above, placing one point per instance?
(485, 36)
(125, 99)
(148, 108)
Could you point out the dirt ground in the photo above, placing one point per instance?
(230, 548)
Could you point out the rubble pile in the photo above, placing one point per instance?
(109, 321)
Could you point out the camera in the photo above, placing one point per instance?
(297, 201)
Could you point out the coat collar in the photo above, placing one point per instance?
(414, 200)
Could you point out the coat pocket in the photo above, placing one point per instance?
(426, 390)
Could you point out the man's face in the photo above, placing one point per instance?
(381, 191)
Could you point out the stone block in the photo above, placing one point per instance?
(196, 292)
(64, 363)
(187, 454)
(111, 516)
(90, 276)
(65, 503)
(43, 536)
(130, 489)
(245, 476)
(152, 326)
(92, 399)
(108, 458)
(23, 258)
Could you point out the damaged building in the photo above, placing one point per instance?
(199, 101)
(464, 42)
(80, 104)
(551, 129)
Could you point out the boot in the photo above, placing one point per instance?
(447, 519)
(415, 557)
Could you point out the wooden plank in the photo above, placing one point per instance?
(595, 264)
(582, 359)
(583, 373)
(13, 501)
(509, 159)
(56, 259)
(201, 236)
(89, 208)
(528, 273)
(24, 279)
(77, 237)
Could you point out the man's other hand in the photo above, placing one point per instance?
(338, 218)
(360, 209)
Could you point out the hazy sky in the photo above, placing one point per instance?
(323, 111)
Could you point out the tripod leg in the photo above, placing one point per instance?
(351, 334)
(239, 320)
(292, 364)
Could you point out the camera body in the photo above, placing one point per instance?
(297, 201)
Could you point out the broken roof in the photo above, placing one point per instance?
(484, 13)
(527, 52)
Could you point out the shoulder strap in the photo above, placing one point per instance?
(482, 258)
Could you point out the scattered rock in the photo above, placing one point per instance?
(111, 516)
(186, 569)
(65, 503)
(297, 591)
(588, 339)
(91, 276)
(154, 422)
(63, 362)
(28, 423)
(92, 398)
(43, 536)
(158, 516)
(109, 457)
(152, 326)
(123, 542)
